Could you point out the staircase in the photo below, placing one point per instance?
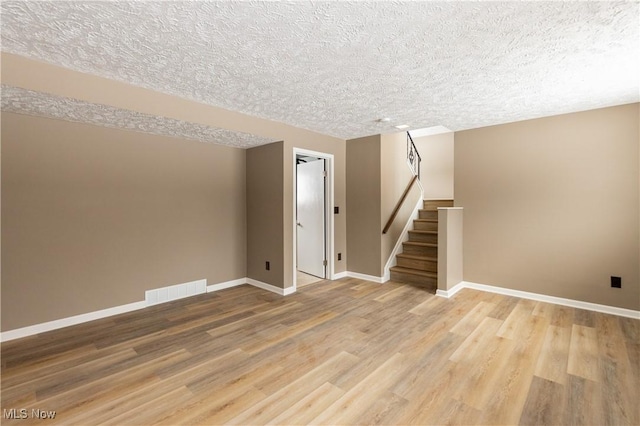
(418, 262)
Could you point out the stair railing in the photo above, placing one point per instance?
(413, 159)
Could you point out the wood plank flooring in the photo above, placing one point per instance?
(303, 279)
(338, 352)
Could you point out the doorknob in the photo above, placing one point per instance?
(299, 224)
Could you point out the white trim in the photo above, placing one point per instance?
(340, 275)
(366, 277)
(404, 236)
(226, 284)
(66, 322)
(329, 216)
(612, 310)
(31, 330)
(271, 288)
(453, 290)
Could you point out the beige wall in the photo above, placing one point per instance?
(377, 175)
(395, 176)
(92, 217)
(363, 209)
(265, 226)
(437, 166)
(34, 75)
(551, 205)
(270, 207)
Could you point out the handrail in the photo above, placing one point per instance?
(413, 156)
(397, 208)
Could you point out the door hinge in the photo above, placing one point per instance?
(324, 263)
(324, 173)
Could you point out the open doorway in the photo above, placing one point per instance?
(313, 197)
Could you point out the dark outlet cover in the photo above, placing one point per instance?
(616, 282)
(339, 256)
(267, 265)
(336, 210)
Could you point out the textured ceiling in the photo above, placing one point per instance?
(41, 104)
(335, 67)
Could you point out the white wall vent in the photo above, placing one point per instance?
(178, 291)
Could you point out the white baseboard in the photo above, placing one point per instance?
(448, 293)
(271, 288)
(66, 322)
(613, 310)
(226, 284)
(360, 276)
(340, 275)
(173, 293)
(103, 313)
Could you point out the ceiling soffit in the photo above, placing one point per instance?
(30, 102)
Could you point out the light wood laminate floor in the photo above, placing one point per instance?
(345, 352)
(303, 279)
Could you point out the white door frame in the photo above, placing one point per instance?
(328, 213)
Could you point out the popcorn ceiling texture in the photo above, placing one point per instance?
(335, 67)
(24, 101)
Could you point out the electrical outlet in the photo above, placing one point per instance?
(616, 282)
(336, 210)
(339, 256)
(267, 265)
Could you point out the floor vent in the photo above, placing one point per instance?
(179, 291)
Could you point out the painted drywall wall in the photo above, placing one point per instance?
(270, 207)
(395, 175)
(92, 216)
(437, 166)
(265, 224)
(551, 205)
(363, 209)
(34, 75)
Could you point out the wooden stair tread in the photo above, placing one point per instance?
(426, 220)
(416, 257)
(411, 271)
(420, 231)
(419, 243)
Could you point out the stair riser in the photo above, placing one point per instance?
(423, 265)
(425, 282)
(423, 238)
(420, 251)
(434, 204)
(428, 214)
(425, 226)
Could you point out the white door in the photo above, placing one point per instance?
(310, 217)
